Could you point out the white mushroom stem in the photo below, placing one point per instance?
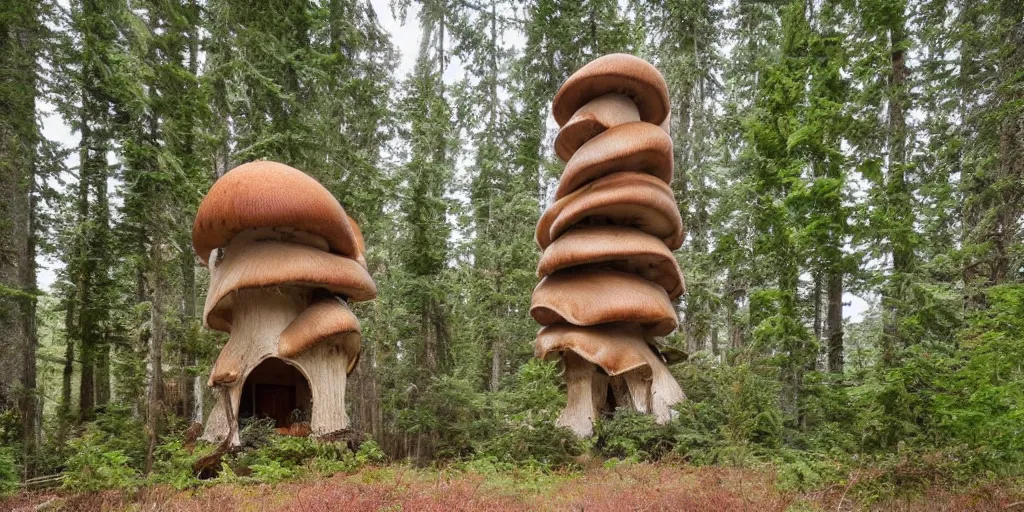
(326, 366)
(259, 317)
(260, 314)
(579, 412)
(639, 390)
(665, 391)
(632, 390)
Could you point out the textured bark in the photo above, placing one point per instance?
(834, 322)
(67, 373)
(497, 361)
(816, 299)
(155, 402)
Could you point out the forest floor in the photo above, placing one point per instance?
(624, 488)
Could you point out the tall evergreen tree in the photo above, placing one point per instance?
(19, 143)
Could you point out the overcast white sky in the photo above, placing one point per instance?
(406, 40)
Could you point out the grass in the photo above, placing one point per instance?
(623, 487)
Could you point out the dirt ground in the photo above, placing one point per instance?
(634, 487)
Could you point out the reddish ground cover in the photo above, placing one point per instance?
(638, 487)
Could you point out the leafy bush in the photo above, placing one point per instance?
(732, 412)
(172, 464)
(634, 436)
(982, 407)
(107, 454)
(271, 472)
(525, 413)
(803, 471)
(534, 443)
(256, 432)
(452, 412)
(91, 468)
(283, 458)
(8, 471)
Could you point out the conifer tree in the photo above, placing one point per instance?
(19, 144)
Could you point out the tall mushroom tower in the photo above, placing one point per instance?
(609, 277)
(285, 259)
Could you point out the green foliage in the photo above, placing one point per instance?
(525, 414)
(983, 403)
(8, 472)
(732, 412)
(93, 468)
(540, 443)
(282, 458)
(271, 472)
(634, 436)
(804, 156)
(108, 454)
(172, 464)
(801, 471)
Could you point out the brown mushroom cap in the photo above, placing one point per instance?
(269, 194)
(360, 244)
(619, 248)
(593, 296)
(593, 118)
(327, 320)
(635, 146)
(623, 199)
(617, 73)
(271, 263)
(617, 348)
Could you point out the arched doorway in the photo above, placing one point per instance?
(276, 390)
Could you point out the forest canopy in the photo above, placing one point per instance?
(850, 175)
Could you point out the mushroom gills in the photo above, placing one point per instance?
(645, 218)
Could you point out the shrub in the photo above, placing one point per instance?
(634, 436)
(91, 468)
(525, 413)
(271, 472)
(256, 432)
(282, 458)
(803, 471)
(732, 412)
(108, 453)
(172, 464)
(534, 443)
(8, 472)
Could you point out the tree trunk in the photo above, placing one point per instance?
(64, 412)
(156, 342)
(816, 299)
(835, 322)
(897, 195)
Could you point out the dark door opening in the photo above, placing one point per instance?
(276, 390)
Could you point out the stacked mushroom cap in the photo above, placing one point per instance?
(608, 274)
(265, 224)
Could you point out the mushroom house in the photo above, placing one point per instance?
(608, 276)
(285, 261)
